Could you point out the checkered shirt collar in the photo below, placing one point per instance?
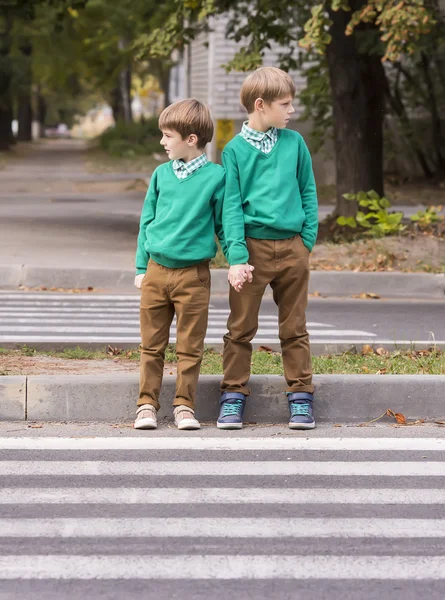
(252, 135)
(184, 169)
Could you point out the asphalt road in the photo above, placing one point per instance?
(252, 515)
(54, 320)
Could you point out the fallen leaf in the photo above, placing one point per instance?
(337, 425)
(366, 296)
(382, 352)
(265, 349)
(440, 422)
(367, 349)
(401, 419)
(381, 372)
(35, 426)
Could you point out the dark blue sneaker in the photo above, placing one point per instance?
(231, 411)
(301, 410)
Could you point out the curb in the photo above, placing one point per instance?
(339, 398)
(329, 283)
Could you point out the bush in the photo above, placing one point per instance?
(132, 139)
(376, 221)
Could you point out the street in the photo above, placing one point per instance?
(89, 512)
(43, 319)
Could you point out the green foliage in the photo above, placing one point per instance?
(316, 98)
(425, 218)
(131, 139)
(375, 220)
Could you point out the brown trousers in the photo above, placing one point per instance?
(166, 292)
(284, 264)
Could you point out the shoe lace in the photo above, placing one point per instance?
(299, 409)
(232, 408)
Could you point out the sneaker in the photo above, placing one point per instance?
(146, 417)
(185, 418)
(301, 410)
(232, 410)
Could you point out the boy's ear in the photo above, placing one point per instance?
(192, 139)
(259, 104)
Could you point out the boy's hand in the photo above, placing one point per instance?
(138, 280)
(239, 274)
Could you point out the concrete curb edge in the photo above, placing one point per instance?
(329, 283)
(110, 398)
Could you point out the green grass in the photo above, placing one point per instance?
(424, 362)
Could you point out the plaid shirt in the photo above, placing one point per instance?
(263, 141)
(183, 170)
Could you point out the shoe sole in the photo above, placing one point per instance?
(229, 425)
(145, 424)
(301, 425)
(188, 424)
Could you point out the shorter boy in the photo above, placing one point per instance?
(181, 213)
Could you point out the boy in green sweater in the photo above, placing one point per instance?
(181, 213)
(271, 203)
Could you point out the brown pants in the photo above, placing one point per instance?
(284, 264)
(165, 292)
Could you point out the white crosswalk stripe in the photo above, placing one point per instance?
(175, 510)
(114, 319)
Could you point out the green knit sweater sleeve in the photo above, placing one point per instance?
(233, 214)
(147, 216)
(308, 192)
(218, 214)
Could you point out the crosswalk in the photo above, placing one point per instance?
(114, 319)
(209, 515)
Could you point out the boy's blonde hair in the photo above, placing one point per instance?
(188, 117)
(268, 83)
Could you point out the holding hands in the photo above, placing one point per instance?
(138, 280)
(239, 274)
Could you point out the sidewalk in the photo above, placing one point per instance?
(67, 228)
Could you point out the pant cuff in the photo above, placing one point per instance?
(148, 400)
(301, 388)
(183, 402)
(238, 389)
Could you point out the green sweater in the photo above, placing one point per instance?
(269, 196)
(180, 218)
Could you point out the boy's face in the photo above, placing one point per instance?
(176, 147)
(278, 112)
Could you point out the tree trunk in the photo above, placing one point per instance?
(357, 83)
(6, 138)
(164, 82)
(125, 86)
(125, 90)
(24, 106)
(41, 112)
(24, 113)
(116, 104)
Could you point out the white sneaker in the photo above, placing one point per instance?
(185, 418)
(146, 417)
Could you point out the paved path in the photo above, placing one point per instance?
(222, 517)
(56, 214)
(42, 318)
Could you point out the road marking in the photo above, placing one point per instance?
(224, 469)
(218, 443)
(221, 496)
(224, 528)
(187, 567)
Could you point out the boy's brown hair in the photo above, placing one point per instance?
(188, 117)
(268, 83)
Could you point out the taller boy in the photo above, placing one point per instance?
(271, 195)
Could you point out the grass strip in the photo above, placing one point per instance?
(356, 361)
